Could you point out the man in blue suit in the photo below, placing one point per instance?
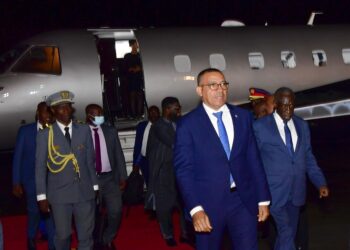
(142, 131)
(218, 168)
(285, 148)
(23, 174)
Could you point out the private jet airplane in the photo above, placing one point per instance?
(90, 64)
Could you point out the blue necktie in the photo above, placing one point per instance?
(223, 137)
(289, 141)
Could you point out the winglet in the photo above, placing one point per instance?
(312, 17)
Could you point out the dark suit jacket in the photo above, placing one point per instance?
(138, 159)
(203, 170)
(115, 153)
(23, 171)
(64, 187)
(160, 155)
(286, 174)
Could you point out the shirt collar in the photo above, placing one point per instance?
(93, 127)
(210, 110)
(62, 126)
(279, 120)
(39, 126)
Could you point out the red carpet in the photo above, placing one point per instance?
(137, 232)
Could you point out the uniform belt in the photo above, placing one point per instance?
(103, 173)
(233, 189)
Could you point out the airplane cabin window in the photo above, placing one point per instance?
(40, 60)
(319, 57)
(217, 61)
(182, 63)
(288, 59)
(346, 56)
(256, 60)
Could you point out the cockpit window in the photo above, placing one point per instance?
(40, 60)
(9, 57)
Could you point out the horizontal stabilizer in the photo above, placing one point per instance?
(324, 110)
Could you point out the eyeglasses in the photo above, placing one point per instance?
(215, 85)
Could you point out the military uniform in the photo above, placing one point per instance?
(65, 176)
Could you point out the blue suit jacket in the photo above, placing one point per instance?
(202, 168)
(140, 129)
(286, 174)
(23, 171)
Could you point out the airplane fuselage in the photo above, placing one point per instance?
(171, 59)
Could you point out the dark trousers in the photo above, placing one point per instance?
(286, 220)
(34, 217)
(164, 217)
(144, 165)
(84, 217)
(302, 235)
(109, 198)
(136, 103)
(239, 222)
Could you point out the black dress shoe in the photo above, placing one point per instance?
(110, 246)
(97, 246)
(171, 242)
(187, 240)
(31, 244)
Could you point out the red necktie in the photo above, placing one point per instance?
(97, 151)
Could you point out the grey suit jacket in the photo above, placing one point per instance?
(115, 153)
(65, 187)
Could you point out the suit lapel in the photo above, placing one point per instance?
(34, 133)
(277, 134)
(237, 124)
(209, 130)
(298, 130)
(74, 135)
(35, 129)
(109, 143)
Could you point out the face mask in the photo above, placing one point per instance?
(98, 120)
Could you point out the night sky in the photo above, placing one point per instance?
(22, 18)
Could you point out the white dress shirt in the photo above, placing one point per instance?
(38, 126)
(62, 127)
(145, 139)
(226, 118)
(290, 124)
